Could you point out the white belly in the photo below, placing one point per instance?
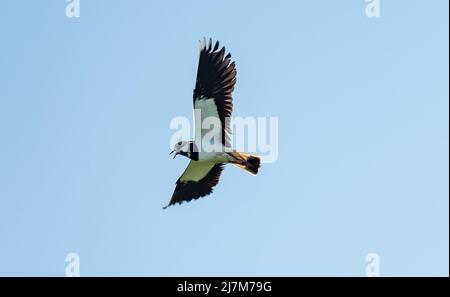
(216, 157)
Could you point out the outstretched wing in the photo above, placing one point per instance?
(216, 77)
(197, 181)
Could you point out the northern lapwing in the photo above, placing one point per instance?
(216, 77)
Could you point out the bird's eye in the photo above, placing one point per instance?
(179, 143)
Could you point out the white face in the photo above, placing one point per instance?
(181, 146)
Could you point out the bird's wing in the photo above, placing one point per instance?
(196, 181)
(216, 77)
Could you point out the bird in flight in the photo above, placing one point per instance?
(211, 149)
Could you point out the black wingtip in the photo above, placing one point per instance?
(207, 45)
(210, 44)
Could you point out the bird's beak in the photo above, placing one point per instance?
(173, 155)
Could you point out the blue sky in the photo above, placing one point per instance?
(363, 140)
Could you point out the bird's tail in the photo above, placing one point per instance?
(247, 162)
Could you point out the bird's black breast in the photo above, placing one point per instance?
(193, 152)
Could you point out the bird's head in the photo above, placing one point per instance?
(181, 148)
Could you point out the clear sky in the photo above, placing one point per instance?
(362, 103)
